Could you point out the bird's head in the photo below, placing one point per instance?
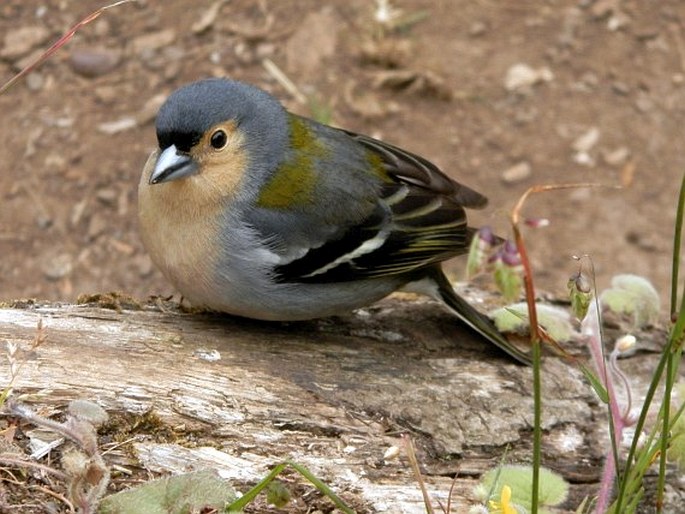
(214, 130)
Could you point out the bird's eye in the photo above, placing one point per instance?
(218, 139)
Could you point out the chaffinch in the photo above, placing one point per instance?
(254, 211)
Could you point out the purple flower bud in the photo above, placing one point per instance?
(486, 235)
(510, 254)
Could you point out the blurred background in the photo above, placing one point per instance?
(500, 95)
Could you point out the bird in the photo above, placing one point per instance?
(251, 210)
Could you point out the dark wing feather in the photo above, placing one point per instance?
(414, 169)
(419, 221)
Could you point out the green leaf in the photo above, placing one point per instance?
(277, 494)
(514, 318)
(509, 281)
(553, 488)
(634, 296)
(180, 494)
(596, 384)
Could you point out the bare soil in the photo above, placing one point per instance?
(75, 144)
(602, 100)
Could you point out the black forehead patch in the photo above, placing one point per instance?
(183, 141)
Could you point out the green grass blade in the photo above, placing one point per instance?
(249, 496)
(244, 500)
(596, 384)
(677, 236)
(323, 488)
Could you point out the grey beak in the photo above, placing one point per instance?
(172, 165)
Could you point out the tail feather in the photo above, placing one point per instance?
(474, 319)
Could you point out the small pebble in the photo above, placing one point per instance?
(55, 163)
(143, 264)
(114, 127)
(392, 452)
(618, 21)
(107, 196)
(77, 212)
(207, 355)
(20, 41)
(584, 159)
(477, 28)
(644, 103)
(43, 221)
(59, 266)
(93, 62)
(106, 94)
(208, 18)
(153, 41)
(616, 157)
(98, 224)
(35, 81)
(517, 173)
(520, 76)
(587, 140)
(620, 88)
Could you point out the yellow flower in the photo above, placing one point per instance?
(503, 506)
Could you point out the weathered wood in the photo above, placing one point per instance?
(331, 394)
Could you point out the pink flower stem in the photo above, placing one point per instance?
(590, 327)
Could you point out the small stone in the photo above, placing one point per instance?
(617, 21)
(587, 140)
(392, 452)
(207, 355)
(208, 18)
(35, 81)
(107, 196)
(643, 102)
(477, 28)
(521, 76)
(153, 41)
(144, 265)
(265, 49)
(517, 173)
(20, 41)
(121, 247)
(590, 79)
(616, 157)
(93, 62)
(43, 220)
(584, 159)
(97, 226)
(77, 212)
(57, 267)
(55, 163)
(106, 94)
(121, 125)
(620, 88)
(102, 27)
